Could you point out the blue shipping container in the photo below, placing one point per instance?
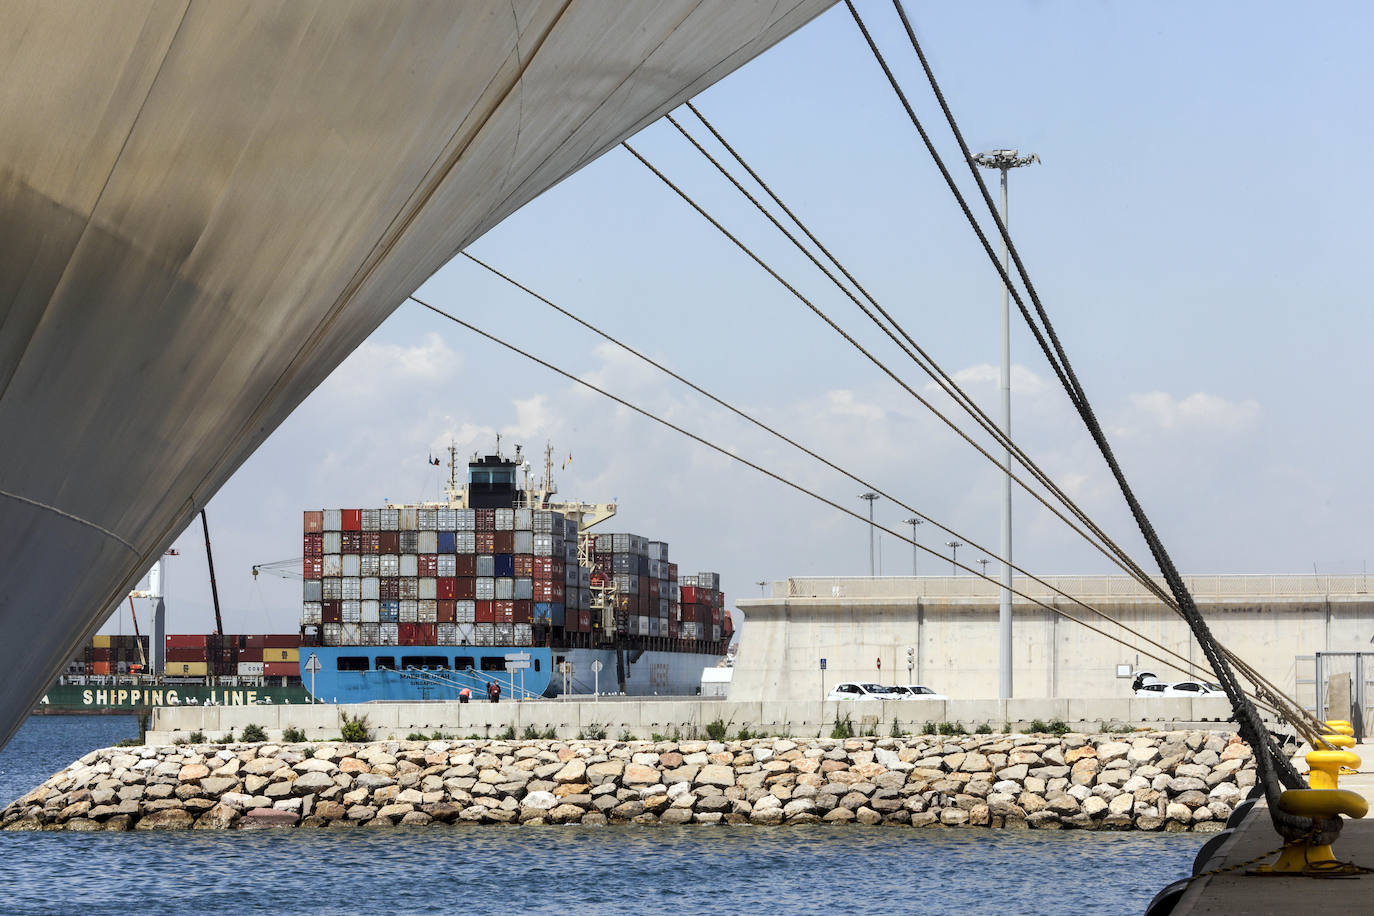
(551, 611)
(505, 565)
(448, 542)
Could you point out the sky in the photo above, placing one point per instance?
(1195, 230)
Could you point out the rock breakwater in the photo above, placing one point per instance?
(1174, 781)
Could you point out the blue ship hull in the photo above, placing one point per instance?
(361, 674)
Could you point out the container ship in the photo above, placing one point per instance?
(111, 674)
(501, 584)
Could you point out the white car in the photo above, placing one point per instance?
(1178, 689)
(856, 690)
(918, 692)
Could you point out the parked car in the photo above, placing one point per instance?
(855, 690)
(1178, 689)
(917, 692)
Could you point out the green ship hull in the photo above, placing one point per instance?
(66, 699)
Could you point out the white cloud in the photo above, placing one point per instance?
(1159, 410)
(384, 367)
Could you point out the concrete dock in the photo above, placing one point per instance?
(1235, 892)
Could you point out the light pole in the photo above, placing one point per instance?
(1004, 160)
(954, 555)
(984, 563)
(871, 497)
(913, 522)
(761, 585)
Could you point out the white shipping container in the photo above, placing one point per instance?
(350, 634)
(352, 610)
(524, 589)
(486, 589)
(388, 634)
(486, 565)
(371, 633)
(484, 634)
(429, 588)
(715, 631)
(352, 587)
(687, 629)
(524, 518)
(371, 611)
(409, 564)
(505, 589)
(466, 634)
(332, 589)
(409, 519)
(410, 610)
(427, 542)
(389, 519)
(371, 565)
(448, 565)
(409, 588)
(329, 633)
(390, 565)
(543, 545)
(426, 519)
(333, 520)
(446, 519)
(371, 588)
(524, 634)
(505, 519)
(466, 611)
(332, 543)
(465, 541)
(523, 543)
(313, 590)
(505, 632)
(446, 634)
(332, 565)
(466, 520)
(653, 626)
(352, 564)
(409, 542)
(250, 669)
(371, 519)
(643, 624)
(311, 612)
(428, 610)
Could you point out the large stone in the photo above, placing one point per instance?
(192, 772)
(627, 810)
(636, 774)
(1112, 750)
(262, 818)
(715, 775)
(167, 819)
(541, 800)
(605, 771)
(575, 771)
(263, 766)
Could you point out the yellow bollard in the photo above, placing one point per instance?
(1340, 727)
(1303, 858)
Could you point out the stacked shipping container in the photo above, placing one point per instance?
(262, 655)
(483, 577)
(111, 655)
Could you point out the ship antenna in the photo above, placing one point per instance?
(452, 471)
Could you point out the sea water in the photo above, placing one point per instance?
(626, 869)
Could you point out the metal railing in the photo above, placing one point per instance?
(967, 586)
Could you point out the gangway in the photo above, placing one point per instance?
(474, 680)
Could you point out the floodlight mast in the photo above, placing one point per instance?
(1004, 160)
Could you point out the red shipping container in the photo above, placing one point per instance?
(689, 594)
(484, 612)
(314, 520)
(351, 519)
(389, 541)
(466, 566)
(389, 589)
(524, 566)
(314, 545)
(447, 588)
(486, 541)
(504, 611)
(446, 611)
(313, 567)
(372, 542)
(523, 610)
(427, 633)
(428, 564)
(185, 641)
(672, 628)
(465, 588)
(672, 572)
(256, 641)
(281, 640)
(504, 542)
(653, 588)
(281, 669)
(173, 655)
(548, 590)
(727, 625)
(100, 667)
(331, 611)
(584, 621)
(102, 654)
(408, 634)
(351, 542)
(250, 655)
(486, 520)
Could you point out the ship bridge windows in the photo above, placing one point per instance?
(493, 663)
(463, 663)
(352, 662)
(436, 662)
(386, 663)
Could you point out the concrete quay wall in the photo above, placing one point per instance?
(643, 718)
